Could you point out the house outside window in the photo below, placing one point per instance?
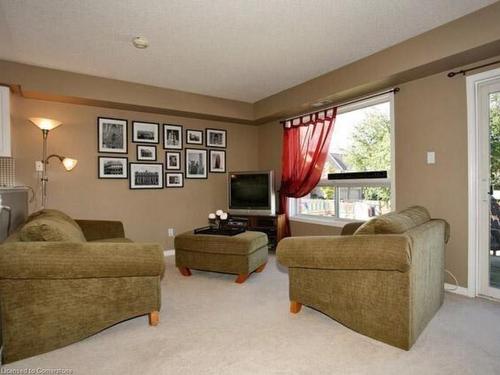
(362, 141)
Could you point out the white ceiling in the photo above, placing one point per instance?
(237, 49)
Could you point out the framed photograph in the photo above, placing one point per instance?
(146, 153)
(112, 135)
(217, 161)
(172, 160)
(146, 175)
(216, 138)
(194, 137)
(174, 180)
(112, 167)
(172, 136)
(145, 132)
(196, 163)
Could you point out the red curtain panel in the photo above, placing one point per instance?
(306, 141)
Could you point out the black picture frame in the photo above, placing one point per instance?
(210, 143)
(161, 174)
(188, 174)
(168, 186)
(188, 133)
(100, 168)
(167, 161)
(155, 128)
(141, 158)
(101, 122)
(178, 129)
(211, 168)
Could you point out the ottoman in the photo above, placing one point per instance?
(241, 254)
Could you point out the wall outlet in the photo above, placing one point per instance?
(38, 166)
(171, 232)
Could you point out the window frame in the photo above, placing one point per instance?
(293, 204)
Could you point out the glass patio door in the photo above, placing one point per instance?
(489, 145)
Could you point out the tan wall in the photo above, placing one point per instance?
(430, 115)
(146, 214)
(270, 148)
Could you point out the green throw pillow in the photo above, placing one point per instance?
(50, 228)
(395, 223)
(49, 212)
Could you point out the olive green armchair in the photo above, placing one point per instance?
(383, 278)
(62, 281)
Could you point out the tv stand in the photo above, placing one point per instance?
(273, 225)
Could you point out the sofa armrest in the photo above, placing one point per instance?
(67, 260)
(101, 229)
(446, 229)
(350, 228)
(370, 252)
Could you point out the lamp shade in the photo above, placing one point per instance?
(69, 163)
(45, 123)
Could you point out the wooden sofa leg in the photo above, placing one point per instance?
(261, 267)
(295, 307)
(241, 278)
(185, 271)
(154, 318)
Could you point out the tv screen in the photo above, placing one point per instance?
(249, 191)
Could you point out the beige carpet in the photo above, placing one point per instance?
(210, 325)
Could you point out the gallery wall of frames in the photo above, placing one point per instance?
(189, 153)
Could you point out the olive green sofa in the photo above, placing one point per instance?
(385, 281)
(63, 280)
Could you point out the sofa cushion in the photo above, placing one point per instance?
(49, 212)
(395, 223)
(50, 228)
(242, 244)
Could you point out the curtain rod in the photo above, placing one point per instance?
(464, 71)
(363, 98)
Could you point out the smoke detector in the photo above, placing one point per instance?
(140, 42)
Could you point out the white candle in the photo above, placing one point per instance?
(223, 216)
(219, 212)
(211, 216)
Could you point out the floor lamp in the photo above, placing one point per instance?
(46, 125)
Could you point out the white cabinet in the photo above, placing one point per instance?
(5, 121)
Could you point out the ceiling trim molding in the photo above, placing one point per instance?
(130, 107)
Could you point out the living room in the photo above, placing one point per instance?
(220, 84)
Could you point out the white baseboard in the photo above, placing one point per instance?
(168, 252)
(457, 290)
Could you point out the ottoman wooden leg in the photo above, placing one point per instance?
(242, 278)
(295, 307)
(261, 267)
(154, 318)
(184, 271)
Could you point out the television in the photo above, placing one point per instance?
(251, 193)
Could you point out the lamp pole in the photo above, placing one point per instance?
(45, 133)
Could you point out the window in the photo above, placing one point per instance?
(362, 141)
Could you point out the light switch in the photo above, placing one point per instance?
(431, 157)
